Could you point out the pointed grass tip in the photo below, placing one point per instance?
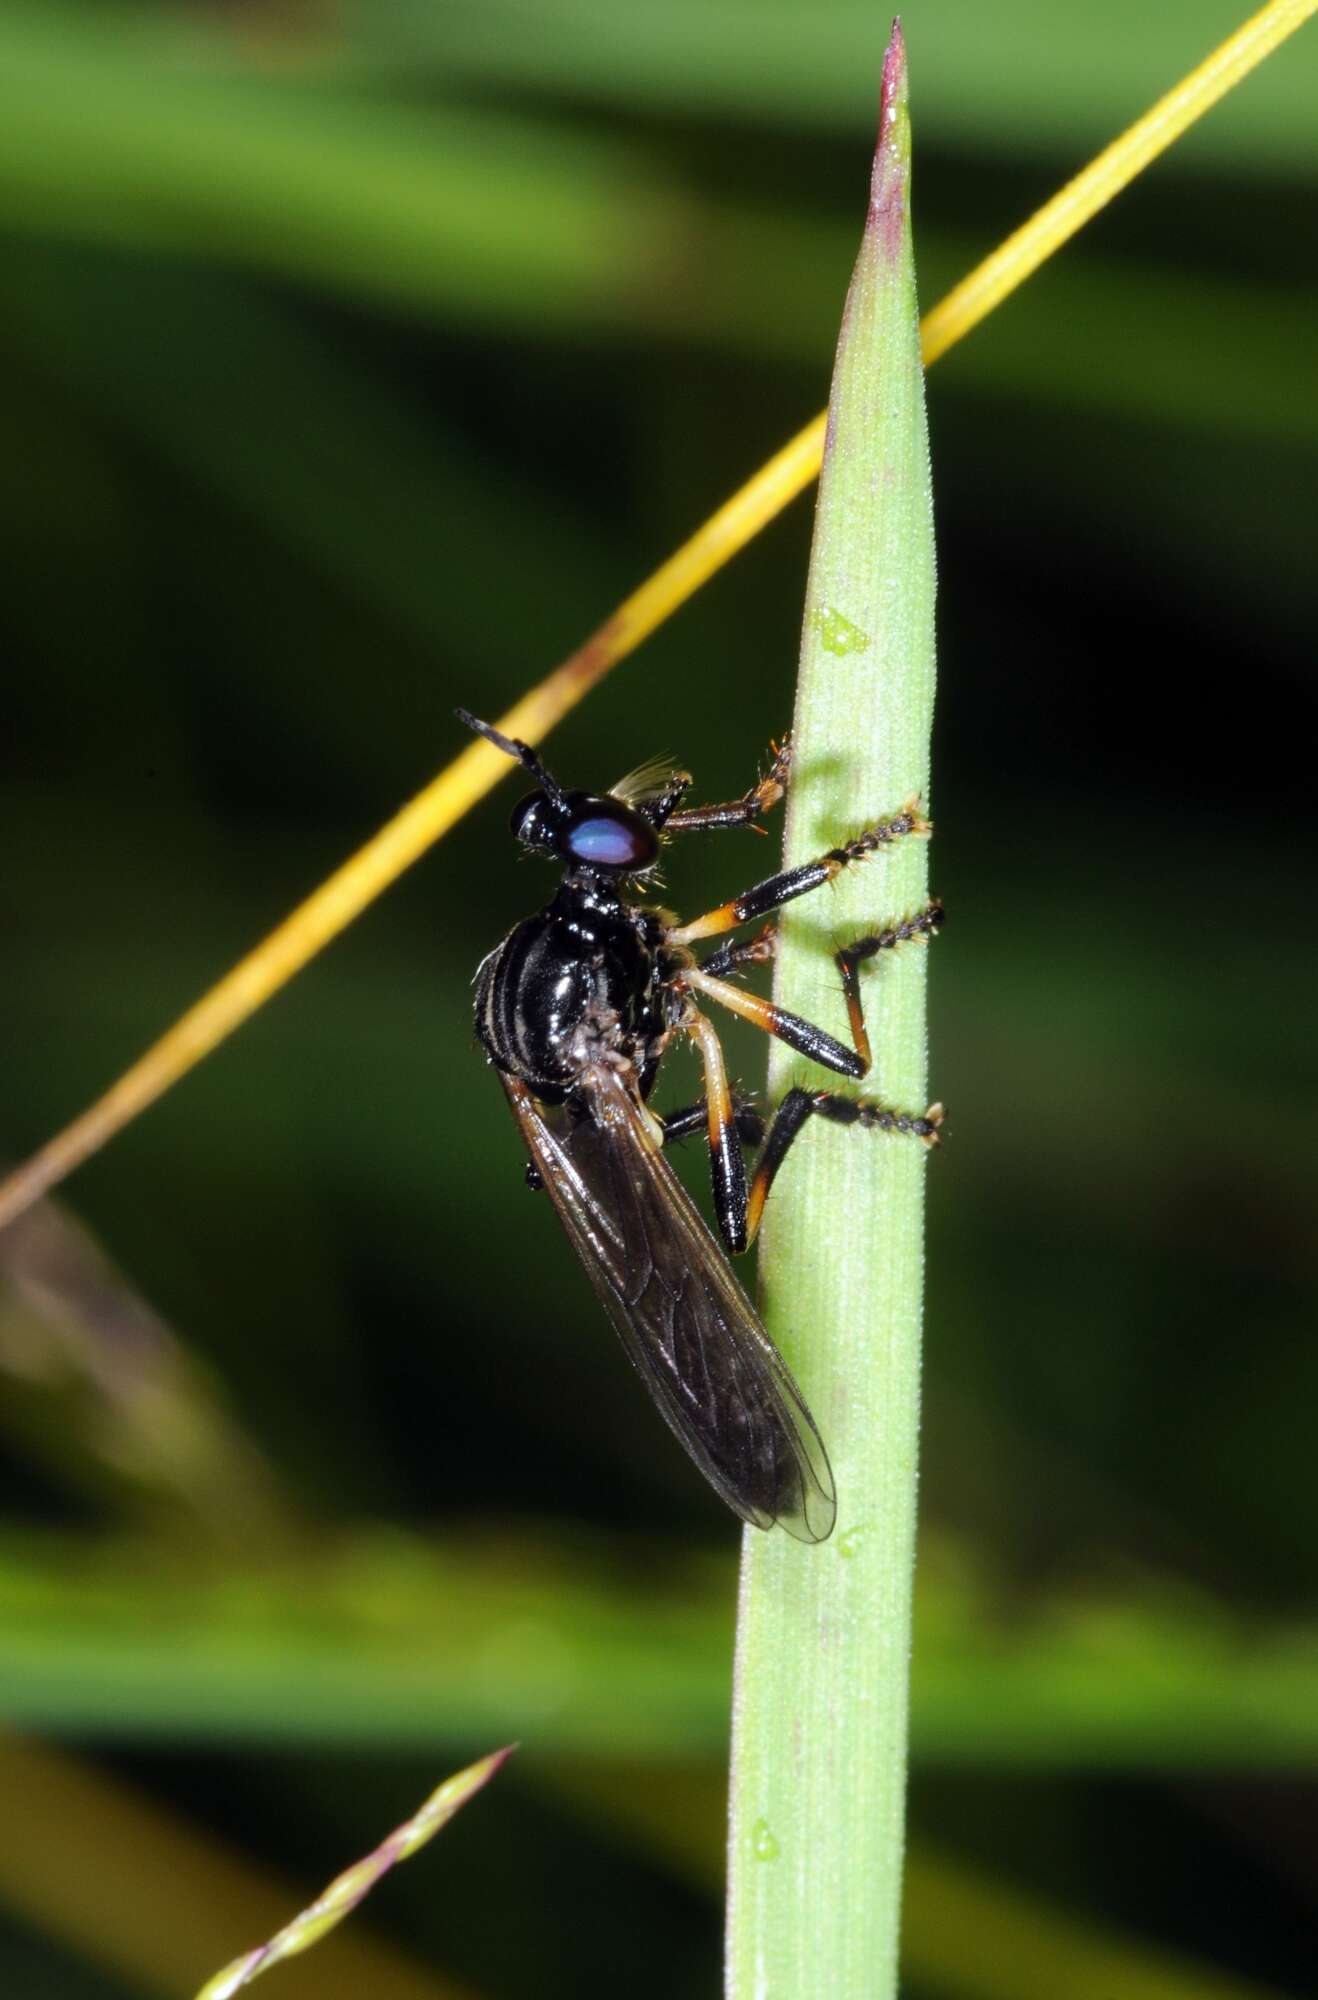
(890, 177)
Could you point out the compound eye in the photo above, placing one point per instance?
(611, 837)
(527, 820)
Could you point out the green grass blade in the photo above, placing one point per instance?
(820, 1711)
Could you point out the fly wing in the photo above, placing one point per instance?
(690, 1330)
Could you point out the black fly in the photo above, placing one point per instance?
(575, 1009)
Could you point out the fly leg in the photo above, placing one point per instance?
(727, 1164)
(732, 1124)
(851, 957)
(801, 1034)
(744, 811)
(801, 1105)
(738, 1208)
(762, 949)
(679, 1125)
(732, 1121)
(793, 882)
(694, 1117)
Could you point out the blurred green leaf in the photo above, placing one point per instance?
(1080, 73)
(1149, 344)
(139, 1891)
(383, 1640)
(522, 223)
(110, 142)
(397, 514)
(977, 1939)
(97, 1383)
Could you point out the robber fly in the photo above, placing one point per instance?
(576, 1008)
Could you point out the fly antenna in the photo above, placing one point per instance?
(513, 746)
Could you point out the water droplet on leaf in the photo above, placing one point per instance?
(837, 634)
(763, 1845)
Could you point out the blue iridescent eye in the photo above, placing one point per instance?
(619, 839)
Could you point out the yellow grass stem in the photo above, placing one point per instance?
(1108, 173)
(332, 907)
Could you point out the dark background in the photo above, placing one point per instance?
(354, 363)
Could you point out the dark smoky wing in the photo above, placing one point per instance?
(689, 1329)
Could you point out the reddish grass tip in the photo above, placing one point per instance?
(890, 178)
